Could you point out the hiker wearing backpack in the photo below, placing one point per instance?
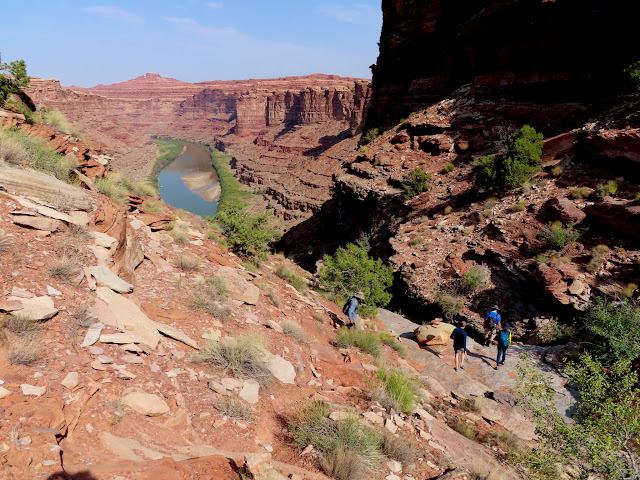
(459, 337)
(504, 340)
(491, 325)
(350, 308)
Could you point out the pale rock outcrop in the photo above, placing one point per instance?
(434, 334)
(239, 288)
(145, 403)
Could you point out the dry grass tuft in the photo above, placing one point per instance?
(235, 408)
(64, 269)
(179, 236)
(208, 296)
(399, 448)
(294, 330)
(83, 316)
(240, 356)
(187, 263)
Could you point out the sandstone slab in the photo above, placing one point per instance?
(249, 392)
(239, 288)
(282, 369)
(33, 390)
(70, 381)
(434, 334)
(105, 277)
(145, 403)
(93, 335)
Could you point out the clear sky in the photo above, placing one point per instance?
(89, 42)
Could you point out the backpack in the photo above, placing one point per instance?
(504, 339)
(490, 321)
(347, 306)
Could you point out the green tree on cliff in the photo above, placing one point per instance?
(513, 169)
(13, 80)
(351, 269)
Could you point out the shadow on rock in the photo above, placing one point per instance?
(67, 476)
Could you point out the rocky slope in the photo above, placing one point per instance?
(270, 126)
(116, 392)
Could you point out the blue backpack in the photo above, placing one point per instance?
(504, 339)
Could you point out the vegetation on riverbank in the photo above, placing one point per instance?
(231, 189)
(169, 150)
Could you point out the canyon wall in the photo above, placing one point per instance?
(271, 127)
(558, 50)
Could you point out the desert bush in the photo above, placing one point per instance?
(396, 391)
(448, 168)
(578, 193)
(83, 316)
(469, 405)
(274, 299)
(555, 332)
(364, 340)
(596, 257)
(12, 81)
(247, 235)
(399, 448)
(505, 440)
(141, 189)
(415, 241)
(513, 169)
(607, 189)
(472, 280)
(209, 295)
(151, 206)
(179, 236)
(350, 270)
(57, 120)
(387, 339)
(240, 356)
(297, 281)
(64, 269)
(295, 331)
(416, 182)
(450, 305)
(187, 263)
(557, 236)
(370, 136)
(320, 318)
(31, 152)
(347, 451)
(234, 408)
(463, 428)
(633, 71)
(24, 350)
(617, 328)
(628, 291)
(21, 326)
(109, 188)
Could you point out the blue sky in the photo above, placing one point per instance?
(86, 43)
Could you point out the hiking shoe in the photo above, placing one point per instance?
(455, 368)
(461, 367)
(501, 363)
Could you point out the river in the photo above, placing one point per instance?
(190, 182)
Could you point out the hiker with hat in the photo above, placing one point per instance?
(459, 337)
(504, 340)
(350, 308)
(491, 325)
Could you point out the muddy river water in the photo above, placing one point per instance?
(190, 182)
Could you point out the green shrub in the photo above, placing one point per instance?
(141, 189)
(387, 339)
(232, 190)
(578, 193)
(607, 189)
(596, 257)
(450, 305)
(17, 148)
(399, 391)
(448, 168)
(473, 279)
(57, 120)
(365, 340)
(247, 235)
(347, 451)
(628, 291)
(520, 206)
(240, 356)
(370, 136)
(297, 281)
(517, 166)
(633, 71)
(168, 150)
(416, 182)
(116, 192)
(350, 270)
(463, 428)
(617, 328)
(557, 236)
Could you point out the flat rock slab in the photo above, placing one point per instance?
(282, 369)
(4, 392)
(239, 288)
(38, 223)
(33, 390)
(145, 403)
(44, 187)
(119, 338)
(36, 308)
(93, 334)
(249, 392)
(130, 318)
(106, 278)
(70, 381)
(176, 334)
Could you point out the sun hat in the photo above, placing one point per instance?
(359, 295)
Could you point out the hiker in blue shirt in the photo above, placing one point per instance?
(351, 307)
(491, 325)
(504, 340)
(459, 344)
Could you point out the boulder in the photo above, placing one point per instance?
(565, 210)
(617, 215)
(249, 392)
(106, 278)
(38, 223)
(4, 392)
(43, 186)
(239, 288)
(434, 334)
(70, 381)
(145, 403)
(282, 369)
(33, 390)
(36, 308)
